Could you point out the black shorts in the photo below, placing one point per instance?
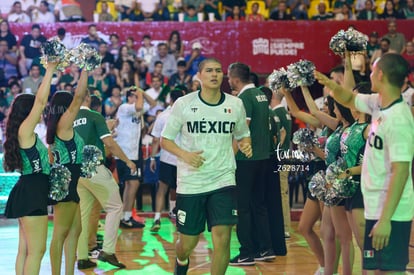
(28, 197)
(218, 207)
(393, 257)
(124, 173)
(167, 173)
(356, 201)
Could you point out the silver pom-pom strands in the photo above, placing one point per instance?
(54, 51)
(278, 79)
(59, 179)
(85, 56)
(305, 139)
(317, 185)
(301, 73)
(92, 158)
(351, 40)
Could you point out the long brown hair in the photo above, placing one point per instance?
(20, 110)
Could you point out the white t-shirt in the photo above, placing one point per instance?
(46, 17)
(211, 129)
(407, 95)
(391, 139)
(146, 53)
(148, 5)
(128, 130)
(159, 125)
(154, 95)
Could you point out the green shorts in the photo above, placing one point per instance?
(218, 207)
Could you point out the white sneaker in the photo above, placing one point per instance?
(94, 253)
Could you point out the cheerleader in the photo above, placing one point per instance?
(24, 152)
(66, 148)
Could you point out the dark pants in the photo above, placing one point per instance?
(253, 224)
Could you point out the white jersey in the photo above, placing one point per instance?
(407, 95)
(159, 125)
(128, 131)
(391, 139)
(211, 129)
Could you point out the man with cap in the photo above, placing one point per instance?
(194, 58)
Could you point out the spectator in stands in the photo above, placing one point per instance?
(396, 39)
(157, 72)
(211, 6)
(98, 80)
(408, 55)
(372, 45)
(68, 11)
(408, 11)
(93, 38)
(43, 14)
(31, 83)
(368, 13)
(125, 8)
(7, 35)
(145, 54)
(71, 75)
(14, 90)
(190, 14)
(337, 5)
(149, 9)
(127, 76)
(114, 45)
(17, 14)
(64, 38)
(346, 13)
(298, 8)
(197, 4)
(8, 62)
(168, 61)
(390, 12)
(235, 15)
(123, 55)
(384, 48)
(30, 48)
(281, 13)
(228, 6)
(181, 77)
(108, 59)
(104, 15)
(255, 16)
(195, 84)
(175, 45)
(130, 43)
(194, 58)
(112, 103)
(154, 93)
(322, 14)
(163, 11)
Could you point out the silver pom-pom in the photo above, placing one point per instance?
(351, 40)
(345, 188)
(54, 51)
(278, 79)
(59, 179)
(305, 139)
(92, 158)
(85, 56)
(317, 185)
(331, 197)
(334, 170)
(301, 73)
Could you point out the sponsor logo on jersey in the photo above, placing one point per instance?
(210, 127)
(194, 109)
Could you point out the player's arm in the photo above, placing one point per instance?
(349, 79)
(155, 146)
(342, 95)
(381, 231)
(194, 159)
(245, 146)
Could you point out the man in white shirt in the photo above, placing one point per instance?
(128, 135)
(42, 14)
(386, 180)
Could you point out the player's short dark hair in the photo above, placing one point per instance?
(395, 68)
(240, 70)
(207, 60)
(177, 92)
(95, 102)
(337, 69)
